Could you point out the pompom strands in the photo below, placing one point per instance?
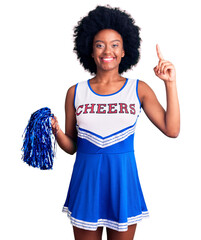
(39, 142)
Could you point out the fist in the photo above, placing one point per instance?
(55, 125)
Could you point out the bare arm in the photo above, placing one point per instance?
(67, 140)
(168, 121)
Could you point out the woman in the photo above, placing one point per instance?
(101, 116)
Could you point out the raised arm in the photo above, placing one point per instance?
(67, 140)
(167, 121)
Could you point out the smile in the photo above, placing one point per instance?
(107, 59)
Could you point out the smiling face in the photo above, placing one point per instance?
(107, 50)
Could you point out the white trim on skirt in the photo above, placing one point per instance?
(121, 227)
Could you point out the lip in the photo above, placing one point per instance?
(107, 59)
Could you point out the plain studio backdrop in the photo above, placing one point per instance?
(37, 66)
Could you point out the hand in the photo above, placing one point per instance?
(165, 70)
(55, 125)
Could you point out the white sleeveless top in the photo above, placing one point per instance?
(105, 120)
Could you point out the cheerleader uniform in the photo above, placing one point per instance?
(104, 189)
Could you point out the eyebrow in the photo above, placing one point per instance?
(103, 41)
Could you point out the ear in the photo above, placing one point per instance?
(92, 55)
(123, 54)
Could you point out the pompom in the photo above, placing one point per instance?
(39, 142)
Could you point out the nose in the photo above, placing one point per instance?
(107, 50)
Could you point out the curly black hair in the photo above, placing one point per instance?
(106, 17)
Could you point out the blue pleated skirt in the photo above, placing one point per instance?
(105, 191)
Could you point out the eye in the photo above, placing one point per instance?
(99, 45)
(115, 45)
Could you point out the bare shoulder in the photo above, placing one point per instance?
(144, 91)
(71, 90)
(70, 113)
(70, 94)
(143, 87)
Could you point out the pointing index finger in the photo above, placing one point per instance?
(159, 54)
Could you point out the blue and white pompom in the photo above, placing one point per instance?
(39, 142)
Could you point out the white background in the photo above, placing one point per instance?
(37, 66)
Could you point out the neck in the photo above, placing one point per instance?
(107, 76)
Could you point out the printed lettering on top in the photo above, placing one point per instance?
(102, 108)
(132, 108)
(123, 108)
(112, 108)
(77, 110)
(91, 107)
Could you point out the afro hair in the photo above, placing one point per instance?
(105, 17)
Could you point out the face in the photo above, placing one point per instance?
(107, 50)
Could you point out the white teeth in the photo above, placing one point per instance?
(107, 59)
